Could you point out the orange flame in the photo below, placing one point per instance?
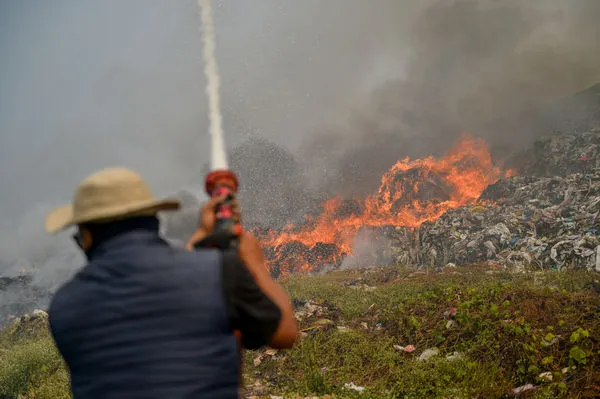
(411, 192)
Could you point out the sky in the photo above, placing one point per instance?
(86, 84)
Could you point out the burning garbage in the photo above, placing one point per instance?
(462, 209)
(411, 193)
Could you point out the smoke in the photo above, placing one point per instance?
(486, 67)
(368, 250)
(341, 89)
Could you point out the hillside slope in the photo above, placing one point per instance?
(366, 333)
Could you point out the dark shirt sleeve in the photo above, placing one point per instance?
(251, 310)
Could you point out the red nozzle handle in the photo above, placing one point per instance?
(226, 231)
(221, 177)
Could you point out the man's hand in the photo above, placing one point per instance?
(208, 219)
(208, 215)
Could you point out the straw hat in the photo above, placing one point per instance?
(110, 194)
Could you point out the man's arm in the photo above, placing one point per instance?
(261, 318)
(253, 257)
(251, 290)
(252, 312)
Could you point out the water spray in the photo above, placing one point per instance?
(220, 181)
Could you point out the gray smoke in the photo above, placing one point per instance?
(475, 66)
(368, 250)
(343, 88)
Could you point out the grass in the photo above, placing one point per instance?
(505, 330)
(30, 366)
(508, 329)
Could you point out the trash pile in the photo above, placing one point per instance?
(562, 154)
(520, 222)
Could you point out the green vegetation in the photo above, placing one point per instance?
(500, 330)
(30, 366)
(494, 331)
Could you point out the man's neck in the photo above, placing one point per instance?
(105, 232)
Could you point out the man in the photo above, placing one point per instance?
(145, 320)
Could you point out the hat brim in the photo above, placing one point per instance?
(64, 217)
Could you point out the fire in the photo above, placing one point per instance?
(411, 192)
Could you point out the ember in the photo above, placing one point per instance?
(411, 192)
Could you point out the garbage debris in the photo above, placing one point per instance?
(455, 356)
(321, 324)
(354, 387)
(428, 354)
(522, 222)
(309, 309)
(258, 360)
(563, 154)
(552, 341)
(547, 376)
(567, 369)
(451, 324)
(523, 388)
(407, 348)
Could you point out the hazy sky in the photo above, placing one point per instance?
(87, 83)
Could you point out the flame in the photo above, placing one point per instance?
(411, 192)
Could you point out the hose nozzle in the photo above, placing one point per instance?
(221, 178)
(219, 183)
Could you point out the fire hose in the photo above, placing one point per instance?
(220, 181)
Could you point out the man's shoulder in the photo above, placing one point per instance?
(195, 256)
